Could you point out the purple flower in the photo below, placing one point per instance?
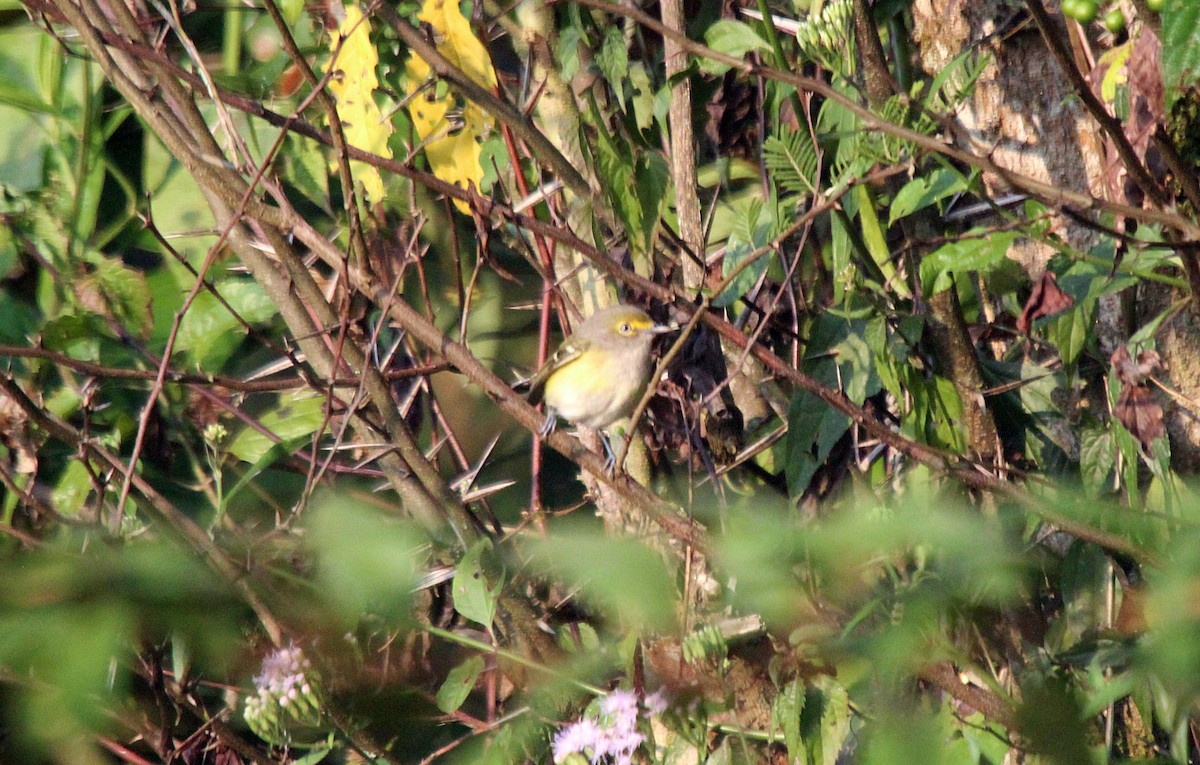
(612, 735)
(655, 703)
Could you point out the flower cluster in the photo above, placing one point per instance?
(287, 700)
(610, 733)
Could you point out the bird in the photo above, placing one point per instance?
(599, 373)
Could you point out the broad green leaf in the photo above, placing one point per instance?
(1070, 332)
(476, 587)
(642, 96)
(457, 687)
(1097, 458)
(179, 209)
(946, 414)
(825, 720)
(733, 38)
(72, 489)
(1084, 583)
(366, 561)
(26, 132)
(926, 190)
(296, 416)
(1180, 47)
(77, 335)
(315, 756)
(814, 427)
(974, 251)
(209, 333)
(567, 51)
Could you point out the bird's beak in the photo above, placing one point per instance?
(662, 329)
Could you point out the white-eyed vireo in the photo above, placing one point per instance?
(599, 373)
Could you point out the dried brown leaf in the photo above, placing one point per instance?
(1046, 299)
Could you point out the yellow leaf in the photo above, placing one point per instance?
(1115, 75)
(354, 89)
(453, 150)
(459, 44)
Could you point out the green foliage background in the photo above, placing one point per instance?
(168, 524)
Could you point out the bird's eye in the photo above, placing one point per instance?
(625, 328)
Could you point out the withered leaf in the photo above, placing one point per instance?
(1046, 299)
(1137, 408)
(14, 433)
(1131, 372)
(1141, 414)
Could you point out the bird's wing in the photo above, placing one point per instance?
(570, 350)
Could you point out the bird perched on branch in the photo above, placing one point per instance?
(599, 373)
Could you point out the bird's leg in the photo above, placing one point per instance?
(550, 423)
(610, 457)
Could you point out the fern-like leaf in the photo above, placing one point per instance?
(791, 159)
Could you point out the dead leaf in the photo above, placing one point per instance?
(14, 434)
(1131, 372)
(1137, 408)
(1046, 299)
(1141, 414)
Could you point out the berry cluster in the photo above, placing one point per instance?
(1084, 11)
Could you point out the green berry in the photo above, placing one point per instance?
(1114, 21)
(1156, 5)
(1082, 11)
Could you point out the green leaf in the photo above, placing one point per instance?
(785, 715)
(181, 213)
(613, 61)
(367, 561)
(25, 136)
(620, 577)
(567, 51)
(975, 251)
(841, 268)
(1084, 586)
(459, 684)
(925, 190)
(643, 96)
(753, 227)
(113, 287)
(210, 334)
(71, 492)
(733, 38)
(814, 427)
(297, 416)
(315, 756)
(635, 183)
(825, 720)
(791, 159)
(76, 335)
(474, 593)
(875, 241)
(1180, 47)
(1097, 458)
(1070, 332)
